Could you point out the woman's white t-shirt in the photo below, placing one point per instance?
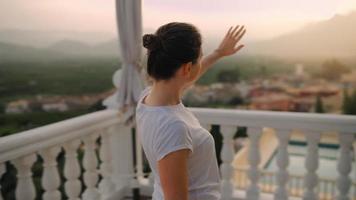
(164, 129)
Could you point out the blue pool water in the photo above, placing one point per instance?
(328, 155)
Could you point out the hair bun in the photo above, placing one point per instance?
(151, 42)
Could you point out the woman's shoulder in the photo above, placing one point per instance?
(145, 91)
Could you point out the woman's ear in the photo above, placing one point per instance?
(186, 69)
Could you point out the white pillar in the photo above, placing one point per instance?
(106, 186)
(139, 160)
(90, 163)
(122, 161)
(50, 177)
(25, 189)
(254, 134)
(344, 166)
(311, 164)
(72, 170)
(227, 156)
(282, 174)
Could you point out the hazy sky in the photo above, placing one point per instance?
(263, 18)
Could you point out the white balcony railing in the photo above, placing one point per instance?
(107, 168)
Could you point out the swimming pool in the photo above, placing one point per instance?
(328, 154)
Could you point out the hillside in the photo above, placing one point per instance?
(335, 37)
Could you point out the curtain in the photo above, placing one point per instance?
(128, 80)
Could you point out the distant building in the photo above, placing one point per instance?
(299, 70)
(19, 106)
(243, 88)
(349, 79)
(215, 93)
(259, 91)
(275, 102)
(322, 90)
(60, 106)
(281, 102)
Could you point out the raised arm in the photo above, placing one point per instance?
(228, 46)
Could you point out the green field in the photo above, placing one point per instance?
(71, 77)
(25, 79)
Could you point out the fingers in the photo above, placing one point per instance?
(238, 32)
(233, 31)
(233, 36)
(228, 33)
(241, 35)
(238, 48)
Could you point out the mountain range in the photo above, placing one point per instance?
(335, 37)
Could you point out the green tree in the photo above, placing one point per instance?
(263, 69)
(2, 107)
(345, 102)
(333, 69)
(349, 103)
(229, 76)
(319, 107)
(352, 105)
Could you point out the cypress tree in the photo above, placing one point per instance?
(345, 102)
(319, 108)
(352, 104)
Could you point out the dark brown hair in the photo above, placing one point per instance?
(172, 45)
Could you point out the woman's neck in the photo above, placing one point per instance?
(164, 93)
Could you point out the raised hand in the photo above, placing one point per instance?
(228, 44)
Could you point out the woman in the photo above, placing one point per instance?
(180, 152)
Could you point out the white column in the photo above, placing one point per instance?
(122, 162)
(282, 174)
(90, 163)
(344, 166)
(227, 156)
(2, 171)
(25, 189)
(311, 164)
(50, 177)
(72, 170)
(254, 134)
(106, 186)
(139, 160)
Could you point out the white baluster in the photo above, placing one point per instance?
(106, 186)
(2, 171)
(25, 189)
(227, 156)
(282, 174)
(139, 160)
(121, 147)
(311, 164)
(72, 170)
(50, 178)
(344, 165)
(90, 163)
(254, 134)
